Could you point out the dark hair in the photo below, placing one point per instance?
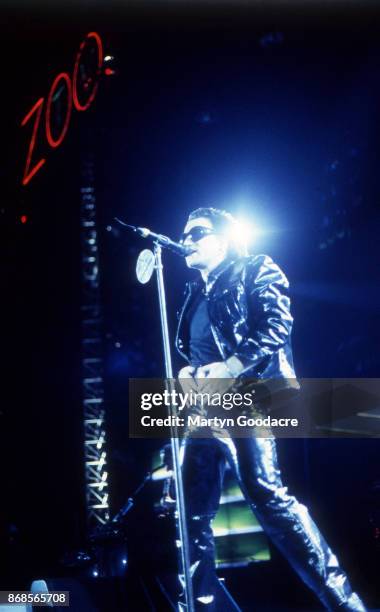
(223, 222)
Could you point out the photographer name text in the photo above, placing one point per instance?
(198, 421)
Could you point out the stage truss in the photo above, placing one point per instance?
(95, 454)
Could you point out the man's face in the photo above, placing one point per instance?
(209, 248)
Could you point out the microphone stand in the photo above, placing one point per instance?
(159, 240)
(175, 447)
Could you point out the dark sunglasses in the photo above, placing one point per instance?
(196, 233)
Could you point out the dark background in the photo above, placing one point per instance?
(271, 113)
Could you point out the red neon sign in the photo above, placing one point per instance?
(52, 141)
(28, 174)
(90, 85)
(77, 103)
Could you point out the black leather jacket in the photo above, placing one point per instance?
(249, 310)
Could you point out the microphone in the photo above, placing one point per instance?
(164, 241)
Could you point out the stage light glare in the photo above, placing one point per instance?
(243, 233)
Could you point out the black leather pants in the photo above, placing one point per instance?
(284, 519)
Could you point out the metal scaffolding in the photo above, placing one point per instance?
(95, 455)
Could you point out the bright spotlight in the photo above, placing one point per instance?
(246, 231)
(243, 233)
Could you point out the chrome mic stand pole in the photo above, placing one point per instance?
(169, 383)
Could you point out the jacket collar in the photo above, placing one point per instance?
(225, 270)
(216, 274)
(198, 283)
(218, 271)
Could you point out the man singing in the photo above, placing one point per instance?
(236, 323)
